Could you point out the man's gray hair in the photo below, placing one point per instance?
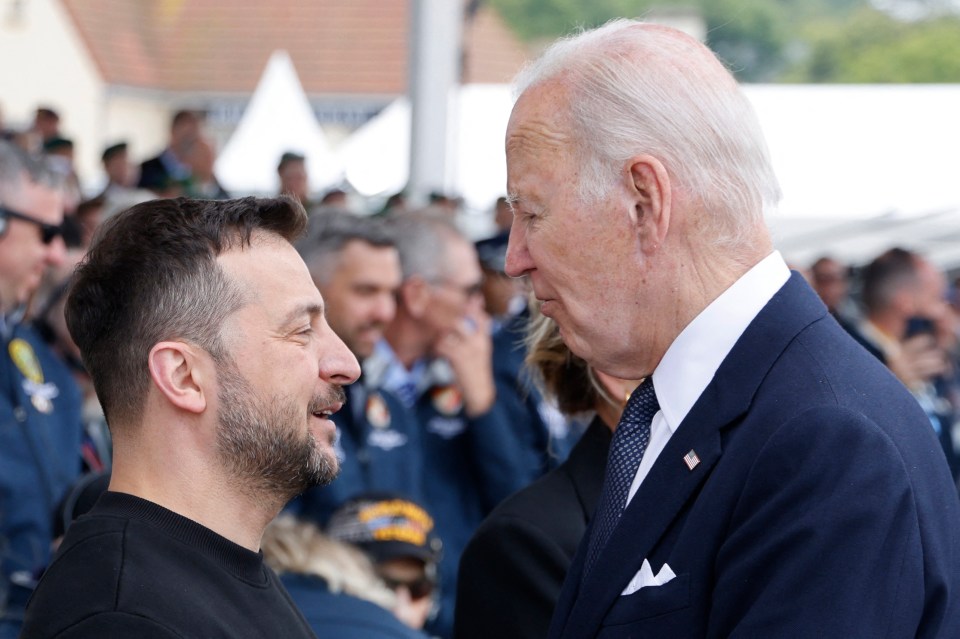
(638, 88)
(15, 163)
(329, 231)
(422, 238)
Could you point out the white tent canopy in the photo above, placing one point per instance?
(864, 168)
(376, 158)
(278, 118)
(880, 161)
(857, 151)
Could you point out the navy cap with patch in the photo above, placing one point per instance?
(386, 526)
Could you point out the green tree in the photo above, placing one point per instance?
(749, 35)
(786, 40)
(546, 19)
(873, 47)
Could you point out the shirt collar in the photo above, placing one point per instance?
(383, 369)
(10, 321)
(693, 358)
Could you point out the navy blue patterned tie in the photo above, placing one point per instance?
(626, 450)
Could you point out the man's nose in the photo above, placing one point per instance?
(385, 309)
(518, 259)
(56, 252)
(338, 365)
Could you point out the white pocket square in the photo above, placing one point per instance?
(645, 578)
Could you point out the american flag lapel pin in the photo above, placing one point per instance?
(691, 459)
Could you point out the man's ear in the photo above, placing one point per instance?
(183, 374)
(415, 295)
(651, 189)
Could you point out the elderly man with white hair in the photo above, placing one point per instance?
(769, 478)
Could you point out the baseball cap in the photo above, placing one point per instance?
(386, 526)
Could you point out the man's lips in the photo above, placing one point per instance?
(326, 411)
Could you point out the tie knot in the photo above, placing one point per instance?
(643, 404)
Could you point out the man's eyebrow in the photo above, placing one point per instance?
(515, 199)
(311, 310)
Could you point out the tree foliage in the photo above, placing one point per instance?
(872, 47)
(787, 40)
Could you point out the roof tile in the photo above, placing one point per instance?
(337, 46)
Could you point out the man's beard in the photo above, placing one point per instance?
(267, 445)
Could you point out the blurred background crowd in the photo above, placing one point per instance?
(447, 420)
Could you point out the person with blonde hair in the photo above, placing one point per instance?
(512, 569)
(333, 583)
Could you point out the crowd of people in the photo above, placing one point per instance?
(444, 417)
(621, 414)
(907, 315)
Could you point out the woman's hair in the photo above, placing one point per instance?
(294, 546)
(557, 372)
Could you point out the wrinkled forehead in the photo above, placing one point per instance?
(540, 122)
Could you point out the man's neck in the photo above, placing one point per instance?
(889, 325)
(407, 340)
(9, 318)
(194, 490)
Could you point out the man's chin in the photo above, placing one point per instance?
(324, 470)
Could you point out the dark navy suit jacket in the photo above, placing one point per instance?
(512, 569)
(821, 506)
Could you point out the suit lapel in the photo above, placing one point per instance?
(661, 496)
(585, 467)
(586, 463)
(670, 483)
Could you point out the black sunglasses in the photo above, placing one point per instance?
(48, 232)
(418, 588)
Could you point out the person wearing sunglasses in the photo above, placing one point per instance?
(334, 583)
(40, 405)
(399, 537)
(31, 215)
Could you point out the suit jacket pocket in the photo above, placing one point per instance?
(650, 602)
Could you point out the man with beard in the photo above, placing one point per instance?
(436, 356)
(356, 267)
(209, 350)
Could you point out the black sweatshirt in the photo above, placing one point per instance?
(131, 568)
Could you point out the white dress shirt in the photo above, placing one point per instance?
(693, 358)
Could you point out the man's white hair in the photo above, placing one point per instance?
(639, 88)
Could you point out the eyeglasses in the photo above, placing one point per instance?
(467, 290)
(418, 588)
(48, 232)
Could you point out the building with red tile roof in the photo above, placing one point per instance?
(337, 46)
(137, 61)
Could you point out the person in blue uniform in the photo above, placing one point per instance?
(357, 269)
(437, 357)
(40, 422)
(398, 536)
(535, 423)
